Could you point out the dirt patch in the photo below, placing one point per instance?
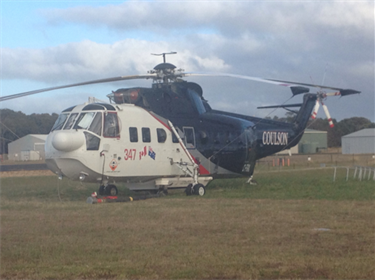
(26, 173)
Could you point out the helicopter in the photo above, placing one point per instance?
(167, 136)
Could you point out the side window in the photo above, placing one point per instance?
(92, 142)
(133, 134)
(96, 125)
(146, 135)
(111, 127)
(189, 137)
(162, 135)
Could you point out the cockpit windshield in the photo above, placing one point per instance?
(84, 120)
(60, 122)
(71, 121)
(91, 121)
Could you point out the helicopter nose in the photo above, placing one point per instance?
(67, 141)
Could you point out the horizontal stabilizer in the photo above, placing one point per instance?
(344, 92)
(299, 90)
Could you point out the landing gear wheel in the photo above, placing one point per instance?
(251, 181)
(101, 190)
(111, 190)
(199, 190)
(189, 189)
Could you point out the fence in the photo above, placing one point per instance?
(361, 166)
(316, 160)
(360, 172)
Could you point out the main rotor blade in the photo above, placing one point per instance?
(257, 79)
(114, 79)
(343, 92)
(295, 86)
(280, 106)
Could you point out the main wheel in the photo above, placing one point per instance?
(189, 189)
(111, 190)
(101, 190)
(199, 190)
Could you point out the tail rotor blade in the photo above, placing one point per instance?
(336, 93)
(315, 111)
(328, 115)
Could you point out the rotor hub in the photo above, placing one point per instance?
(166, 73)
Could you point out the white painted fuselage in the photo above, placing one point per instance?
(138, 148)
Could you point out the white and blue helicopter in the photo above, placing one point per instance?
(167, 136)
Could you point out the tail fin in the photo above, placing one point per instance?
(304, 113)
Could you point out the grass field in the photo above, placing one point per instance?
(292, 225)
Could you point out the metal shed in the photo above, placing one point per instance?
(29, 147)
(360, 142)
(312, 141)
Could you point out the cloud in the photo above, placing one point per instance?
(229, 18)
(283, 40)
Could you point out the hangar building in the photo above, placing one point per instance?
(359, 142)
(29, 147)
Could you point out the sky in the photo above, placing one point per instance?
(51, 43)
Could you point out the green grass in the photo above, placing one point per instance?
(298, 225)
(303, 184)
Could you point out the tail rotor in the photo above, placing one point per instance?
(319, 102)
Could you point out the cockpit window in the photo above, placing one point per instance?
(71, 121)
(111, 126)
(84, 120)
(60, 122)
(96, 125)
(98, 106)
(197, 101)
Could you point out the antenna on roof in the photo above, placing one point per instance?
(163, 54)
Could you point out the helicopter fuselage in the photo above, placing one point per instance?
(168, 136)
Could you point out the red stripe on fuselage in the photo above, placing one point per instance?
(163, 123)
